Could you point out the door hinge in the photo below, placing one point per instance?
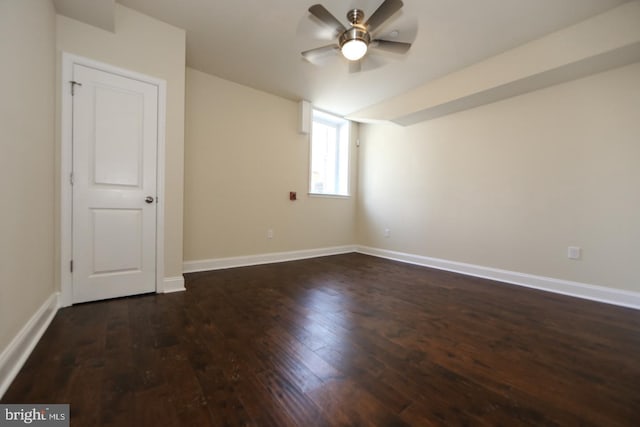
(71, 266)
(73, 86)
(71, 178)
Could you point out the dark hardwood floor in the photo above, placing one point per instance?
(344, 340)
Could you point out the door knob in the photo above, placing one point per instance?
(149, 199)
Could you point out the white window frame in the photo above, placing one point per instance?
(343, 135)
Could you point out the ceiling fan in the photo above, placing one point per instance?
(353, 42)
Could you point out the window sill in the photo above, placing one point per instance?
(330, 196)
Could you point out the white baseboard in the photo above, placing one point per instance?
(575, 289)
(173, 284)
(15, 355)
(244, 261)
(603, 294)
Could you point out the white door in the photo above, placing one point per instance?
(115, 136)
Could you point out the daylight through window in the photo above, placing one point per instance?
(329, 155)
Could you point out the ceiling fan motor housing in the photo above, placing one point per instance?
(357, 30)
(354, 33)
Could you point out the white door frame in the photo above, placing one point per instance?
(66, 167)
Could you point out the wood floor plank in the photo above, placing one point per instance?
(347, 340)
(344, 402)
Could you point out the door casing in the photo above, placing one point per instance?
(66, 168)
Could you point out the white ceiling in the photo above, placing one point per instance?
(257, 43)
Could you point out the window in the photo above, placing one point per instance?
(329, 174)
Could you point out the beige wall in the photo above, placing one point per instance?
(148, 46)
(243, 155)
(27, 34)
(512, 184)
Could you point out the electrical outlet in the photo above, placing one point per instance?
(387, 232)
(574, 252)
(270, 233)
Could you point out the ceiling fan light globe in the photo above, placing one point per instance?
(354, 50)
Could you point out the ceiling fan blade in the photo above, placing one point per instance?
(327, 18)
(384, 12)
(391, 46)
(314, 54)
